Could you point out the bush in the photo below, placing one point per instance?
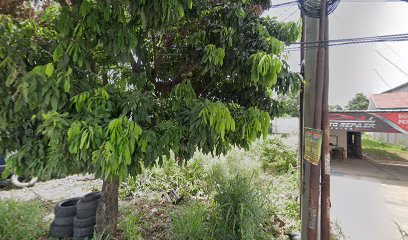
(22, 220)
(188, 179)
(190, 223)
(277, 157)
(240, 210)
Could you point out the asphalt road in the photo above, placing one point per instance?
(369, 197)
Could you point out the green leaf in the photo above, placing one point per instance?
(54, 103)
(49, 69)
(67, 85)
(83, 139)
(58, 53)
(11, 77)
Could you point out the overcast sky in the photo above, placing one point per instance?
(353, 67)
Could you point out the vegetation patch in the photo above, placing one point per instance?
(277, 157)
(22, 220)
(384, 151)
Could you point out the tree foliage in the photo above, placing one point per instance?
(359, 102)
(335, 107)
(112, 87)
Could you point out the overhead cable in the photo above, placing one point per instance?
(348, 41)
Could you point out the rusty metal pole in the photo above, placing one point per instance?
(325, 167)
(314, 183)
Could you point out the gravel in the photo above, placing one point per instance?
(55, 190)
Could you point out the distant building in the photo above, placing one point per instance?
(393, 99)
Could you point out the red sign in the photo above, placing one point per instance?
(375, 121)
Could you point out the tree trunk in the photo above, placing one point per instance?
(107, 212)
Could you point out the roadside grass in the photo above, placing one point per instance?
(380, 150)
(22, 220)
(242, 195)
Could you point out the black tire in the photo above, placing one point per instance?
(61, 231)
(84, 232)
(85, 213)
(87, 205)
(91, 197)
(66, 208)
(84, 222)
(66, 221)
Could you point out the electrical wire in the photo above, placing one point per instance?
(348, 41)
(290, 15)
(386, 83)
(286, 4)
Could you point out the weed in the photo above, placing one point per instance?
(22, 220)
(277, 157)
(190, 223)
(239, 210)
(337, 232)
(188, 179)
(130, 227)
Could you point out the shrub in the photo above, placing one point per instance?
(22, 220)
(188, 179)
(277, 157)
(190, 223)
(240, 207)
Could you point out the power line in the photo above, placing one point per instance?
(290, 15)
(386, 83)
(348, 41)
(286, 4)
(392, 63)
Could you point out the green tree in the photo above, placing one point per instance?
(289, 105)
(359, 102)
(335, 107)
(110, 87)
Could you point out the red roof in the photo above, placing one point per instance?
(390, 100)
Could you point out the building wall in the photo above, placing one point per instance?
(341, 139)
(392, 138)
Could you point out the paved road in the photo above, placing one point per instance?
(368, 196)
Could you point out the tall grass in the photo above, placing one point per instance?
(191, 223)
(22, 220)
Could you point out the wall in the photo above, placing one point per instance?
(341, 138)
(392, 138)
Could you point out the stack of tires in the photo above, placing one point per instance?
(63, 224)
(85, 219)
(75, 217)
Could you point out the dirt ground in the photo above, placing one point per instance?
(55, 190)
(369, 197)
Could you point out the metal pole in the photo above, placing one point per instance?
(301, 115)
(325, 167)
(314, 183)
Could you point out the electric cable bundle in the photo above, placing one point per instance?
(311, 8)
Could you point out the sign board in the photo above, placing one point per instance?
(313, 145)
(364, 121)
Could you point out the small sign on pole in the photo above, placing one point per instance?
(313, 145)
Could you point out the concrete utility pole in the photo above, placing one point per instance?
(316, 101)
(311, 29)
(325, 170)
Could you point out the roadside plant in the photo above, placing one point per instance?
(277, 157)
(191, 222)
(109, 88)
(22, 220)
